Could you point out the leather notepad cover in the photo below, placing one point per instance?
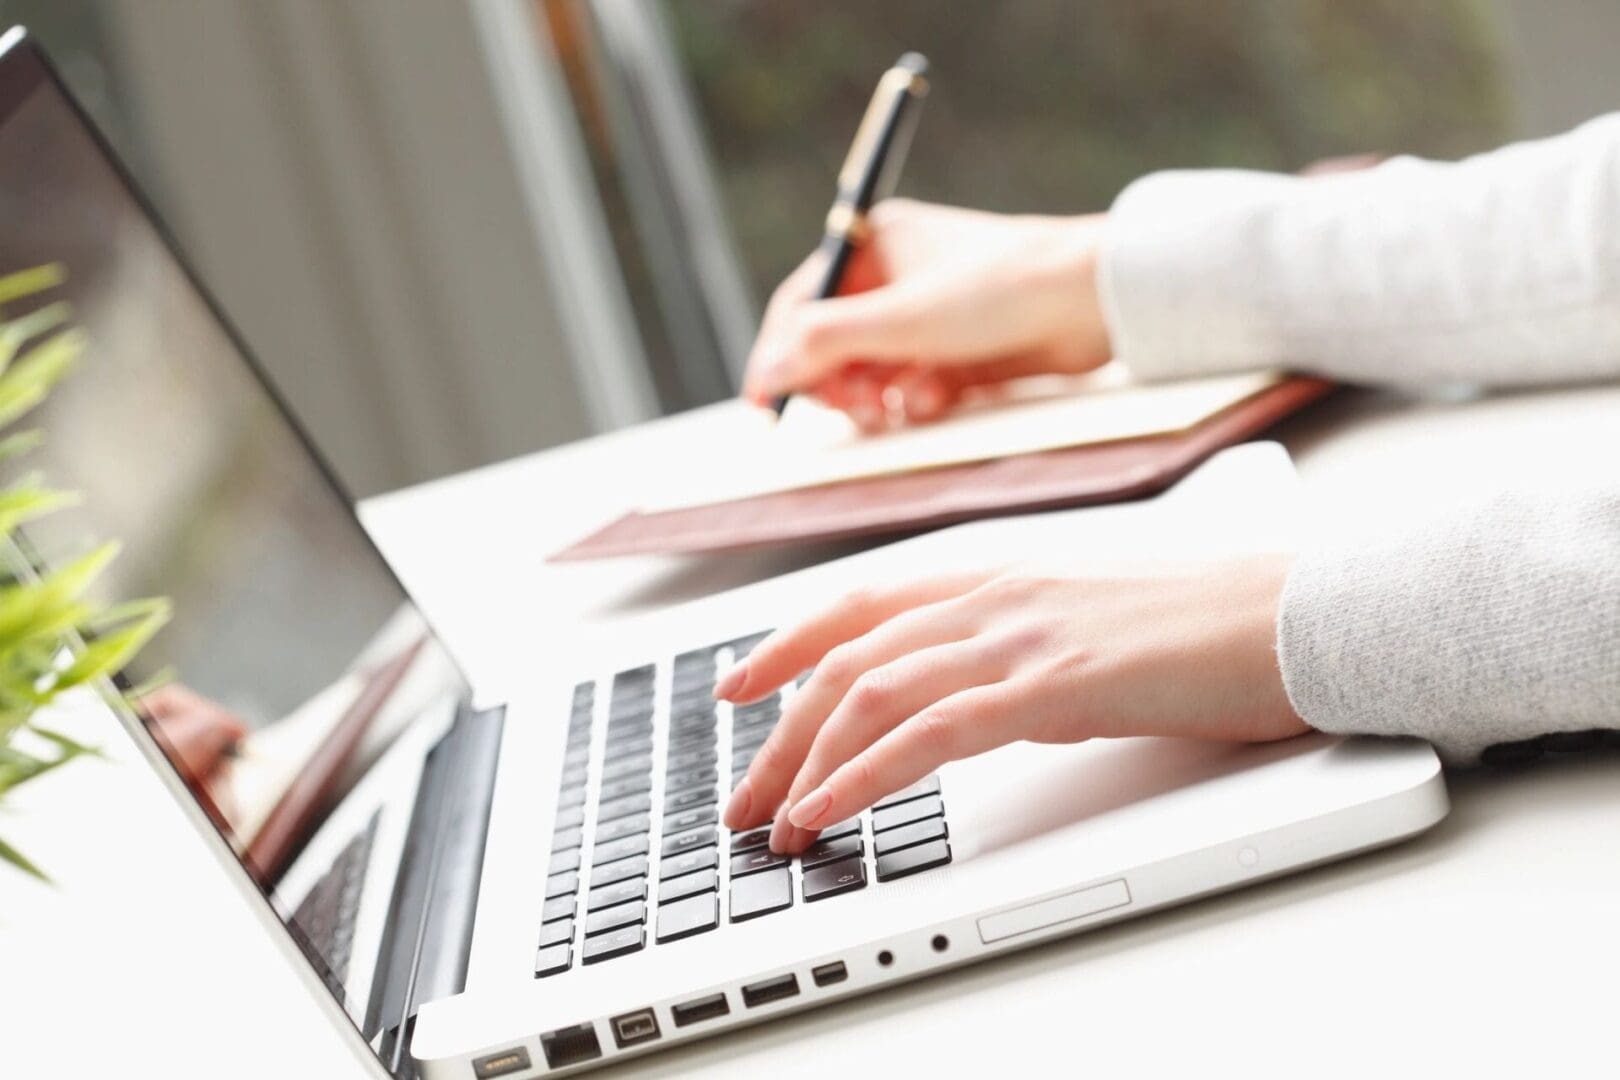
(930, 498)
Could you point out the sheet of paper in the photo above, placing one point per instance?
(814, 445)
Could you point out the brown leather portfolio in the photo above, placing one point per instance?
(903, 502)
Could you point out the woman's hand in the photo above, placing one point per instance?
(938, 299)
(911, 676)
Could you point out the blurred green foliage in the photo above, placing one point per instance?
(1053, 106)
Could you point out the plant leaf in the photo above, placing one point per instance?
(112, 652)
(23, 283)
(25, 384)
(19, 443)
(23, 329)
(22, 862)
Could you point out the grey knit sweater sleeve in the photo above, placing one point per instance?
(1492, 624)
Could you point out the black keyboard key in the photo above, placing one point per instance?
(706, 741)
(551, 959)
(618, 808)
(565, 884)
(688, 862)
(913, 859)
(753, 862)
(928, 785)
(847, 827)
(690, 819)
(553, 932)
(761, 894)
(693, 725)
(689, 841)
(629, 785)
(918, 832)
(748, 841)
(690, 799)
(567, 819)
(625, 826)
(576, 758)
(564, 861)
(695, 759)
(748, 740)
(620, 892)
(688, 885)
(570, 797)
(740, 762)
(560, 908)
(627, 766)
(690, 706)
(691, 779)
(892, 817)
(563, 839)
(826, 851)
(614, 943)
(573, 777)
(618, 871)
(693, 915)
(639, 746)
(830, 879)
(623, 848)
(599, 922)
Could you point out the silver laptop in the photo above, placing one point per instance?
(483, 892)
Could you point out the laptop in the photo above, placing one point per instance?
(476, 890)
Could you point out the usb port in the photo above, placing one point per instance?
(571, 1045)
(827, 974)
(507, 1061)
(703, 1008)
(783, 986)
(635, 1027)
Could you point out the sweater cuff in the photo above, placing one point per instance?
(1175, 277)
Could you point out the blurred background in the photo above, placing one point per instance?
(460, 230)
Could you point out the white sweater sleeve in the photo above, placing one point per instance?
(1496, 625)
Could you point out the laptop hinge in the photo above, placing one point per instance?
(430, 922)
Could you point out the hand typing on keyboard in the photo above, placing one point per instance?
(911, 676)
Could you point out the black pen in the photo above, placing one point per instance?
(871, 169)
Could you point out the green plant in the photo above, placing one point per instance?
(53, 635)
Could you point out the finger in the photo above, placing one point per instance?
(776, 762)
(784, 752)
(962, 725)
(924, 394)
(794, 649)
(886, 697)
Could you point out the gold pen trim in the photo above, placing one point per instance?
(848, 224)
(895, 81)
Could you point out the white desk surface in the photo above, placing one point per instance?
(1488, 946)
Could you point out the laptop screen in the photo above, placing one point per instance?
(294, 661)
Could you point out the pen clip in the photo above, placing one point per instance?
(895, 84)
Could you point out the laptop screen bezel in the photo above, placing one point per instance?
(24, 69)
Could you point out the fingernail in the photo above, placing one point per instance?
(742, 800)
(732, 681)
(811, 809)
(868, 417)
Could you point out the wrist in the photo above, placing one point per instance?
(1081, 339)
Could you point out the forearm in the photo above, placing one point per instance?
(1500, 269)
(1490, 626)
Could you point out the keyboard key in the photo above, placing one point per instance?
(688, 885)
(928, 785)
(615, 943)
(551, 959)
(567, 819)
(625, 826)
(754, 861)
(576, 758)
(622, 848)
(689, 707)
(696, 759)
(570, 797)
(905, 813)
(826, 851)
(761, 894)
(573, 777)
(693, 915)
(748, 841)
(707, 741)
(627, 748)
(560, 908)
(690, 799)
(562, 884)
(687, 862)
(564, 861)
(598, 922)
(564, 839)
(620, 892)
(553, 932)
(689, 841)
(629, 785)
(830, 879)
(690, 819)
(913, 859)
(918, 832)
(748, 740)
(627, 766)
(618, 808)
(618, 871)
(848, 827)
(691, 779)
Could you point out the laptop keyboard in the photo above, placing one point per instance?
(638, 856)
(327, 913)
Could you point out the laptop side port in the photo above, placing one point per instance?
(507, 1061)
(571, 1045)
(827, 974)
(768, 990)
(703, 1008)
(635, 1027)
